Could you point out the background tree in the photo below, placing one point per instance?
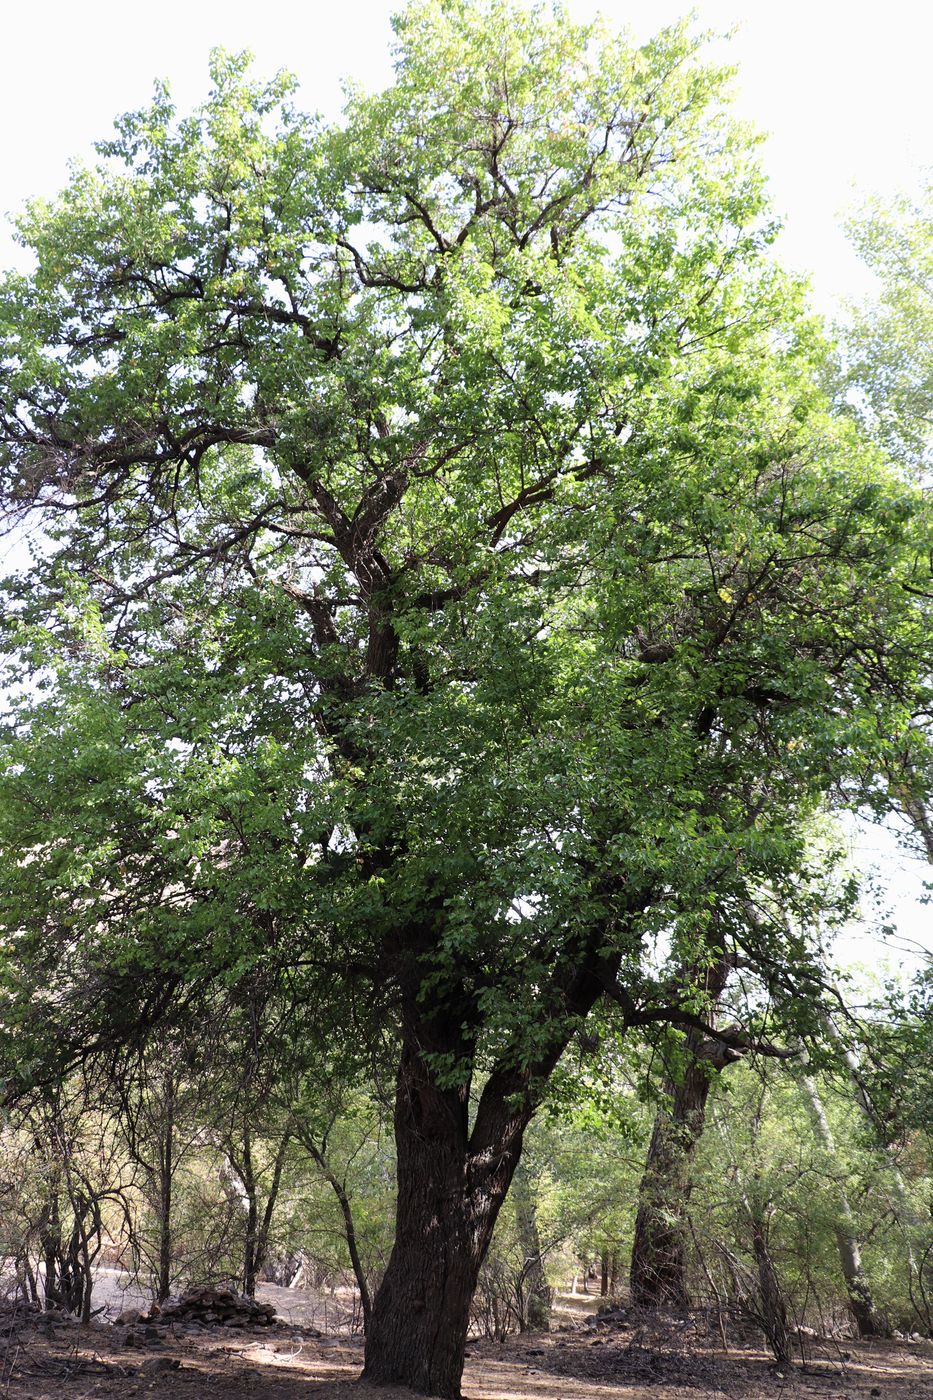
(160, 1095)
(889, 343)
(658, 1273)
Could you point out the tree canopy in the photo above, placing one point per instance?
(458, 593)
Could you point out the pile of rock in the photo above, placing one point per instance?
(205, 1306)
(608, 1316)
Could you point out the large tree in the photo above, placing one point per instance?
(454, 584)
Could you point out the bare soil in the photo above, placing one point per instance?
(648, 1359)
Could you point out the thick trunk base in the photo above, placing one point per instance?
(417, 1335)
(448, 1201)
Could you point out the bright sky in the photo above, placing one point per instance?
(841, 86)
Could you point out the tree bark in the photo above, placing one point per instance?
(264, 1228)
(908, 1218)
(242, 1165)
(658, 1276)
(769, 1308)
(166, 1181)
(867, 1319)
(452, 1181)
(658, 1272)
(447, 1206)
(451, 1186)
(248, 1179)
(773, 1308)
(339, 1189)
(536, 1293)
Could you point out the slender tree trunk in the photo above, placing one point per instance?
(908, 1218)
(30, 1283)
(604, 1274)
(242, 1164)
(166, 1174)
(339, 1189)
(770, 1309)
(353, 1249)
(867, 1320)
(773, 1309)
(50, 1243)
(658, 1276)
(537, 1294)
(915, 808)
(83, 1261)
(264, 1228)
(248, 1180)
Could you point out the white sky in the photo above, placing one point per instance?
(842, 88)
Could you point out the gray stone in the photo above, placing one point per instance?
(156, 1364)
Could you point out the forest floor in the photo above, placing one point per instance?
(645, 1358)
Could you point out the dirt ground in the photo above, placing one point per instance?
(638, 1360)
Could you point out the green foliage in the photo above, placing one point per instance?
(763, 1156)
(460, 594)
(890, 342)
(899, 1050)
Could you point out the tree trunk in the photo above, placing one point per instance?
(238, 1146)
(264, 1228)
(451, 1185)
(908, 1218)
(768, 1308)
(773, 1308)
(658, 1276)
(353, 1249)
(535, 1290)
(444, 1221)
(867, 1320)
(166, 1177)
(248, 1180)
(339, 1189)
(452, 1181)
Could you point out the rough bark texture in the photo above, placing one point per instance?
(452, 1180)
(449, 1196)
(659, 1271)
